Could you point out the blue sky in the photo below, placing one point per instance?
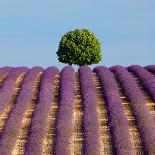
(30, 30)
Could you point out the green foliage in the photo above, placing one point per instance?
(79, 47)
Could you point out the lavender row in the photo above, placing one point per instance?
(118, 122)
(146, 78)
(64, 121)
(13, 124)
(144, 119)
(39, 123)
(150, 68)
(5, 70)
(8, 86)
(91, 117)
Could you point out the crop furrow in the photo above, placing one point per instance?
(4, 71)
(9, 92)
(106, 146)
(37, 140)
(144, 119)
(14, 133)
(23, 132)
(64, 127)
(117, 121)
(49, 139)
(26, 120)
(146, 78)
(91, 128)
(149, 101)
(137, 143)
(78, 135)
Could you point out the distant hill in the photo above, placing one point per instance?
(92, 112)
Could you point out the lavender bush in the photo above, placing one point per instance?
(64, 120)
(5, 70)
(39, 123)
(13, 124)
(7, 89)
(144, 119)
(146, 78)
(150, 68)
(90, 118)
(118, 123)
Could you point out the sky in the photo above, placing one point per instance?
(30, 30)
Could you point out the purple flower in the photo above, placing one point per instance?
(144, 119)
(150, 68)
(39, 123)
(8, 86)
(5, 70)
(13, 124)
(90, 119)
(64, 120)
(118, 123)
(147, 79)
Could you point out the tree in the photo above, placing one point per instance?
(79, 47)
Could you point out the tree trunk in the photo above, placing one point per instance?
(82, 65)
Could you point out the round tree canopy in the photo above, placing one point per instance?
(79, 47)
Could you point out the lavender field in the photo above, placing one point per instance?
(103, 111)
